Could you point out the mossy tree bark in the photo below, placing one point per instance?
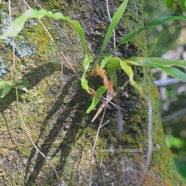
(54, 109)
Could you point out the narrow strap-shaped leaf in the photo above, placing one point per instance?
(113, 77)
(161, 20)
(128, 70)
(18, 24)
(96, 98)
(167, 62)
(152, 24)
(167, 67)
(117, 16)
(161, 63)
(130, 36)
(150, 61)
(86, 63)
(104, 61)
(173, 72)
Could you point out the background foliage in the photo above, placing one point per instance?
(169, 40)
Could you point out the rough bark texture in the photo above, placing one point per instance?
(54, 109)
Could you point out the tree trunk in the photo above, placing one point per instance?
(54, 109)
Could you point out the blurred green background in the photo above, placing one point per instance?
(169, 41)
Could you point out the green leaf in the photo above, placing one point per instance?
(117, 16)
(22, 87)
(152, 24)
(163, 64)
(116, 63)
(167, 62)
(104, 61)
(18, 24)
(114, 78)
(86, 64)
(172, 72)
(151, 61)
(84, 83)
(128, 70)
(19, 82)
(130, 36)
(3, 83)
(6, 90)
(96, 98)
(161, 20)
(113, 64)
